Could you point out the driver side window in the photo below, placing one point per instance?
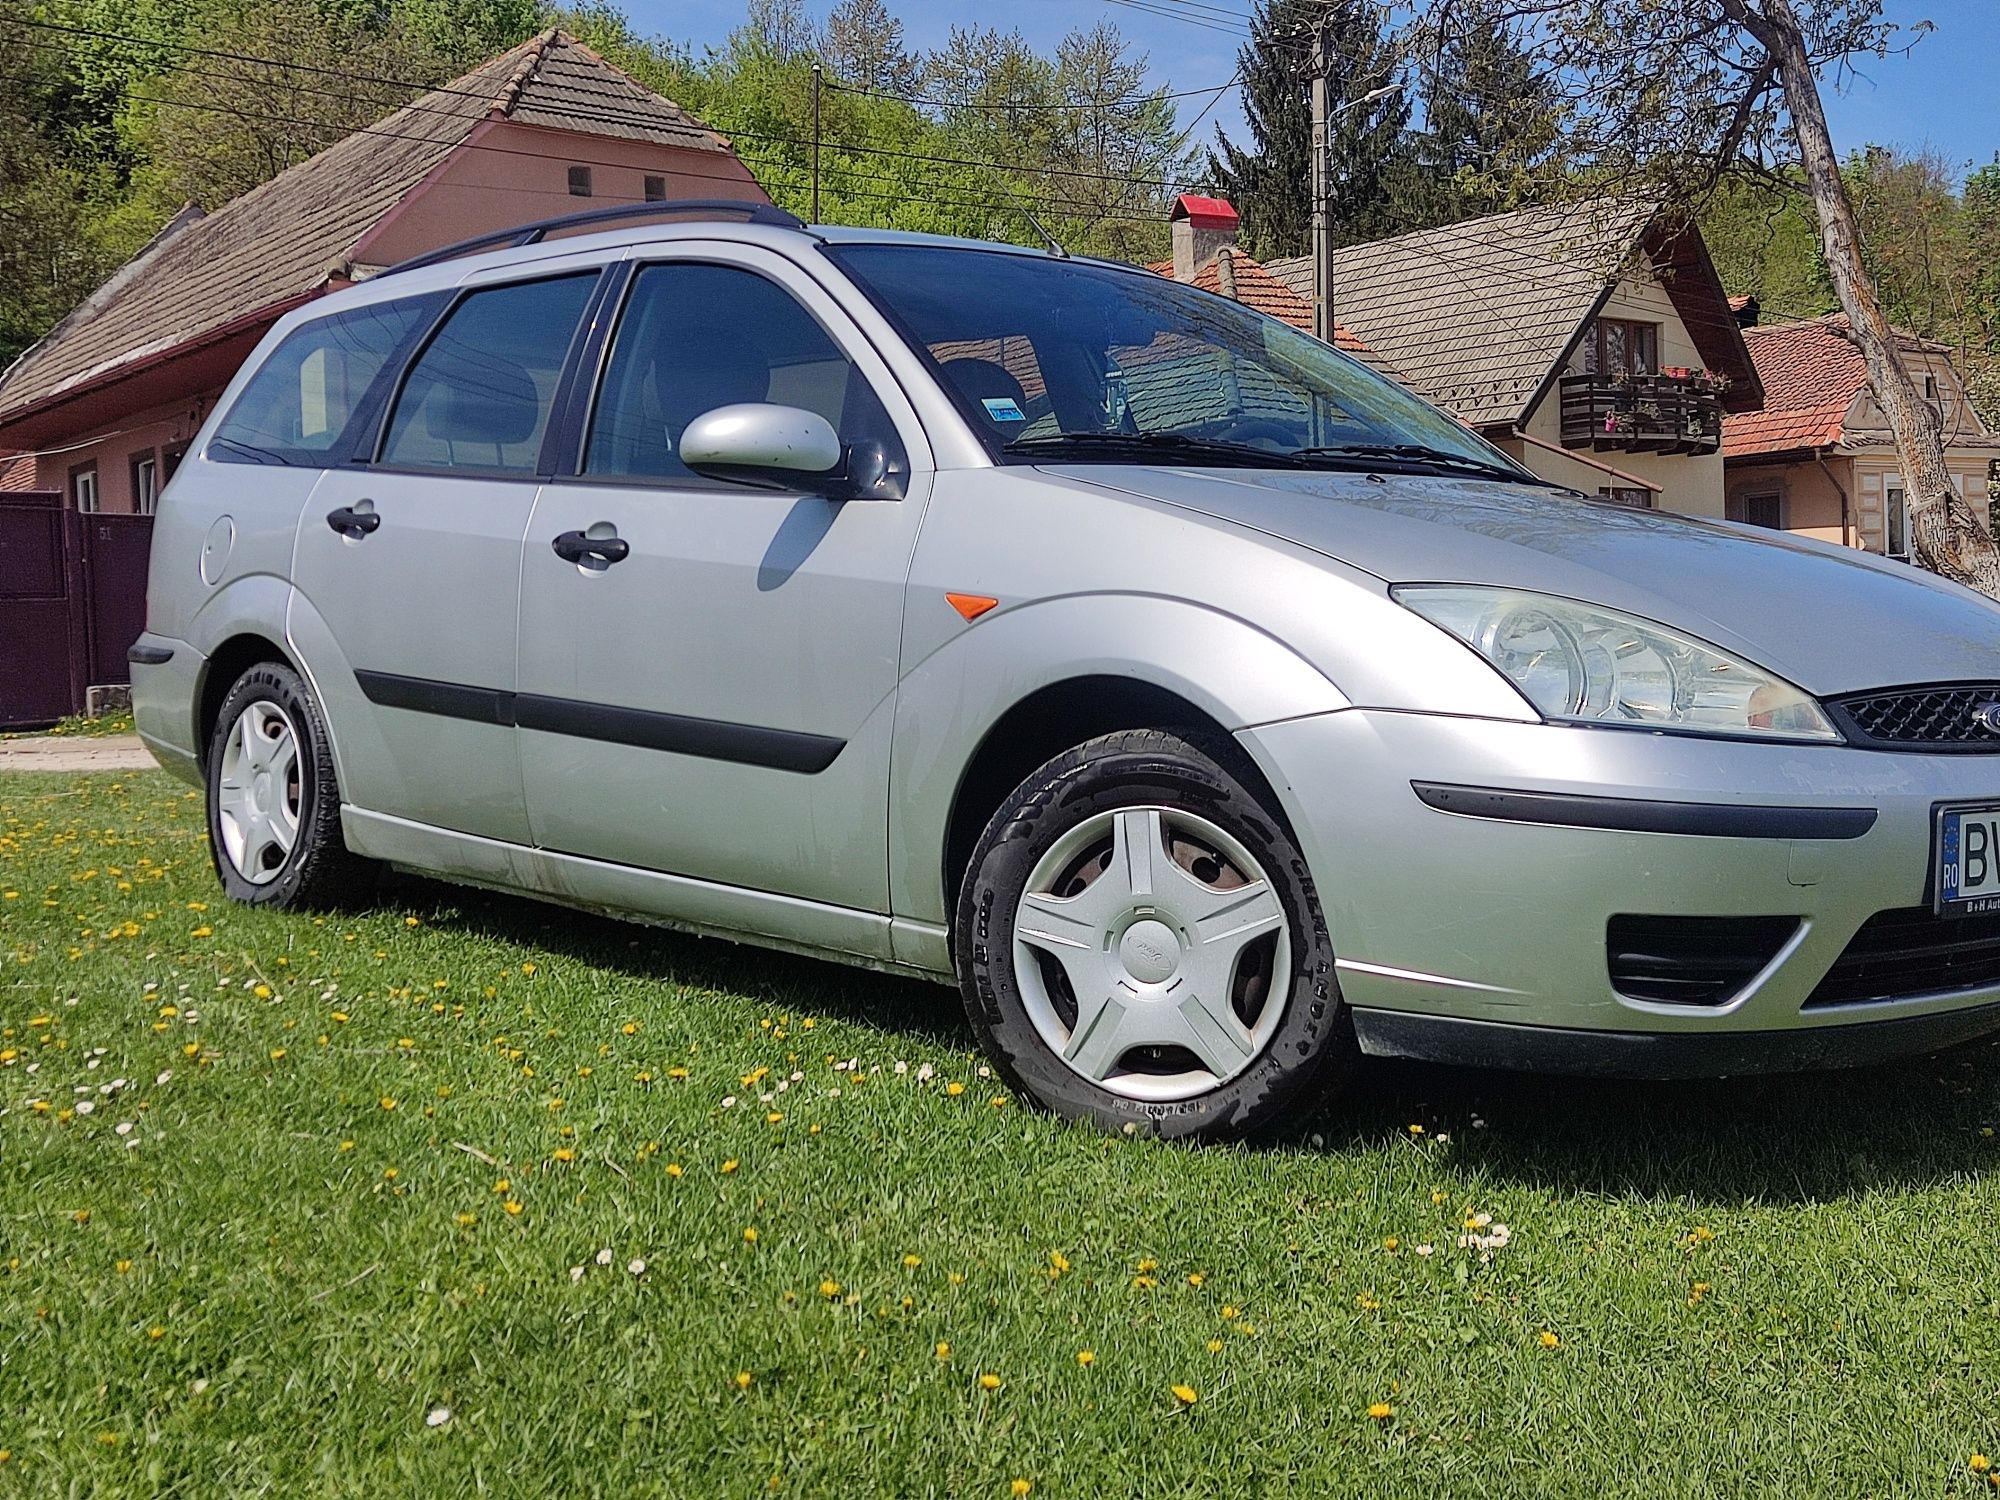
(694, 337)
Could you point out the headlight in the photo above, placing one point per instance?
(1586, 665)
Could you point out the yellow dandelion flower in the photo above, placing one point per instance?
(989, 1381)
(1185, 1394)
(1381, 1411)
(262, 992)
(1416, 1129)
(673, 1169)
(1195, 1278)
(1549, 1340)
(954, 1089)
(465, 1220)
(1390, 1243)
(1437, 1197)
(1231, 1312)
(277, 1054)
(156, 1333)
(1058, 1262)
(750, 1236)
(743, 1379)
(563, 1153)
(203, 932)
(774, 1118)
(1086, 1357)
(1215, 1346)
(943, 1350)
(829, 1288)
(340, 1018)
(386, 1102)
(911, 1262)
(389, 1174)
(1147, 1266)
(503, 1185)
(729, 1166)
(1019, 1487)
(1979, 1463)
(514, 1206)
(347, 1145)
(123, 1266)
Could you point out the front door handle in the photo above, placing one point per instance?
(574, 546)
(352, 523)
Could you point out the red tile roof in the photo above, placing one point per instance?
(17, 471)
(1257, 288)
(1811, 375)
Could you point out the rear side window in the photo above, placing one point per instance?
(694, 337)
(478, 397)
(298, 404)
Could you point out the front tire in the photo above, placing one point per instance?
(273, 801)
(1139, 944)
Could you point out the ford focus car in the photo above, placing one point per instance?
(1207, 708)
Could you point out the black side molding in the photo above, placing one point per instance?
(149, 656)
(1643, 815)
(1714, 1053)
(710, 739)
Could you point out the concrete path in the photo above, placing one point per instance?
(55, 752)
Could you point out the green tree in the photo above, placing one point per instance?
(1270, 181)
(1490, 123)
(863, 45)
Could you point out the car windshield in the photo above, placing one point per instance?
(1063, 360)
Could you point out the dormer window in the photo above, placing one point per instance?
(1621, 346)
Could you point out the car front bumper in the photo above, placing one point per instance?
(1468, 930)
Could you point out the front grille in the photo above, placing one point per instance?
(1691, 960)
(1911, 951)
(1943, 717)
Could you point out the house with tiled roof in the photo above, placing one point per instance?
(1592, 342)
(109, 398)
(1207, 255)
(1819, 458)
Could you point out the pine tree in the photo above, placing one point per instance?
(1271, 183)
(1490, 124)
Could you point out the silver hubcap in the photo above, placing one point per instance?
(257, 798)
(1152, 953)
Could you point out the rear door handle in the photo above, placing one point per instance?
(353, 523)
(574, 546)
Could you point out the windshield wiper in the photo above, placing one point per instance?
(1153, 445)
(255, 454)
(1418, 453)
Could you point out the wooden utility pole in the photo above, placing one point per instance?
(1322, 192)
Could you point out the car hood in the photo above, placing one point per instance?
(1829, 619)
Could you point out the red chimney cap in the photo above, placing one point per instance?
(1205, 213)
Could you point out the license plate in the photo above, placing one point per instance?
(1968, 860)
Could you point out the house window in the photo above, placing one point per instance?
(1620, 346)
(83, 487)
(146, 482)
(579, 182)
(1622, 494)
(1930, 387)
(656, 188)
(1895, 521)
(1764, 508)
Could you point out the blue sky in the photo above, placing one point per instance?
(1940, 95)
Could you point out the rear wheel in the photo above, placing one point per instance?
(273, 801)
(1139, 944)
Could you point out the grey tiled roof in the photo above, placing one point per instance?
(1475, 315)
(283, 240)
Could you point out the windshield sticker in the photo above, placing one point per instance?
(1003, 409)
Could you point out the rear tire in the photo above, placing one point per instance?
(1139, 944)
(273, 800)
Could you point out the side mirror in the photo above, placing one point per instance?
(755, 442)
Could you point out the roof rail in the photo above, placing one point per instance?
(617, 213)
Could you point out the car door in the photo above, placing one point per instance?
(408, 566)
(717, 701)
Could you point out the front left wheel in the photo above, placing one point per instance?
(273, 801)
(1139, 944)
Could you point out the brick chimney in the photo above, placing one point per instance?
(1201, 227)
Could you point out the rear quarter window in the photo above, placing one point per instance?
(295, 409)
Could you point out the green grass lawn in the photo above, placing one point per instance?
(295, 1205)
(83, 727)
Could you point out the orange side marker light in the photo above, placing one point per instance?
(971, 606)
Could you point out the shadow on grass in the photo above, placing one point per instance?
(1791, 1138)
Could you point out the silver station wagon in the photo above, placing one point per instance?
(1206, 707)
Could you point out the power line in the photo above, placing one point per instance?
(1128, 101)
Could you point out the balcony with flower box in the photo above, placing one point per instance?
(1675, 411)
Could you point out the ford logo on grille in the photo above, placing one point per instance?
(1987, 717)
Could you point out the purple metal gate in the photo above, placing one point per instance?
(72, 599)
